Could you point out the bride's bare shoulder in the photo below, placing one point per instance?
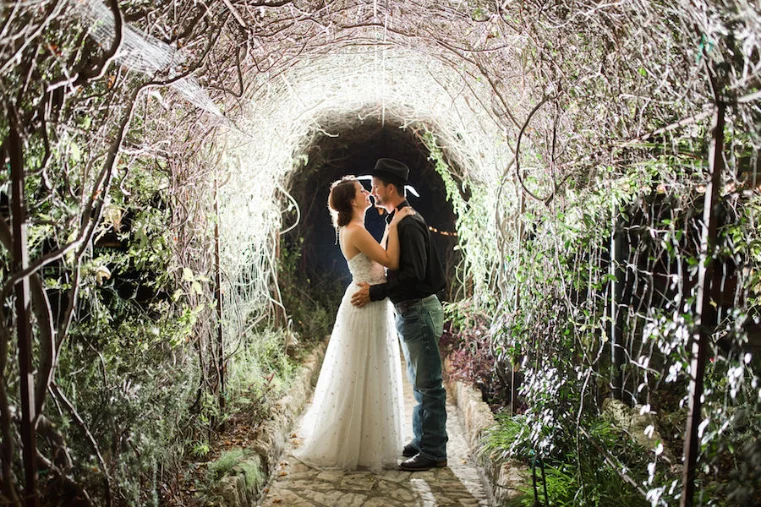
(353, 230)
(351, 236)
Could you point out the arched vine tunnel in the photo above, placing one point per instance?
(589, 173)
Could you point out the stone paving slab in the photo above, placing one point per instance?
(459, 484)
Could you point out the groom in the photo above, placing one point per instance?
(419, 317)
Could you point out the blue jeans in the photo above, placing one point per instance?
(420, 326)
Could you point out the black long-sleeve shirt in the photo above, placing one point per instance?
(420, 273)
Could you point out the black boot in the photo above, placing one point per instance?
(420, 463)
(410, 451)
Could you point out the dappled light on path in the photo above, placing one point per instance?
(296, 484)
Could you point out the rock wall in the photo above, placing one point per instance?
(505, 478)
(243, 485)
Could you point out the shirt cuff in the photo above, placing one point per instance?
(378, 292)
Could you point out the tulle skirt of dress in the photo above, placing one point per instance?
(355, 419)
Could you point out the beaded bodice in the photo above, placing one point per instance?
(363, 269)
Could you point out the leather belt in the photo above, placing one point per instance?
(403, 306)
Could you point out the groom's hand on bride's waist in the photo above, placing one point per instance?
(362, 296)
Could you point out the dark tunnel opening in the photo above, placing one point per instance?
(352, 146)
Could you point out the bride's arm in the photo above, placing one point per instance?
(366, 244)
(392, 246)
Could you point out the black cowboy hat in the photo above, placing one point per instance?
(391, 170)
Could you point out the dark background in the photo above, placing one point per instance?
(353, 148)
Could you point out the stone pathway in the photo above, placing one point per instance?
(460, 483)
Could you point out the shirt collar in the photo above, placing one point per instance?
(401, 205)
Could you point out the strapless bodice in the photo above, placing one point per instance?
(363, 269)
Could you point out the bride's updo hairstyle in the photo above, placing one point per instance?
(339, 200)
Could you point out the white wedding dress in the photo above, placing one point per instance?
(355, 420)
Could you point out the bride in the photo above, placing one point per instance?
(355, 420)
